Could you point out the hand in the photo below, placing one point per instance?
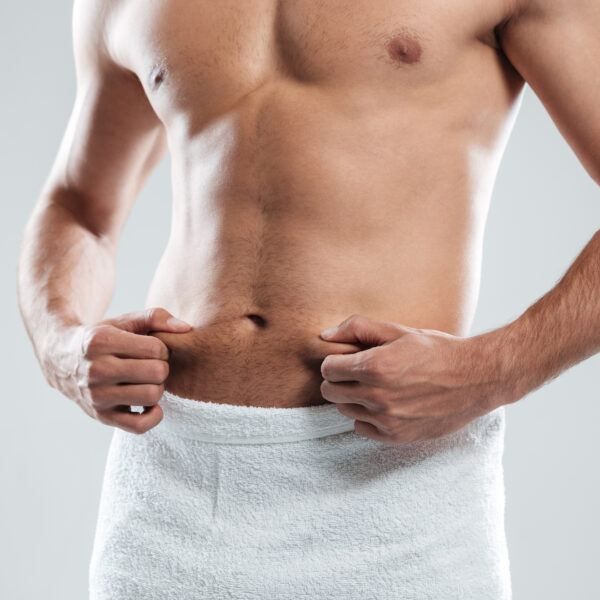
(108, 367)
(411, 384)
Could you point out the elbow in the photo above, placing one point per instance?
(86, 212)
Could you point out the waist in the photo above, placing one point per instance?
(206, 421)
(237, 360)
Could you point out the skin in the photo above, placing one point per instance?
(327, 161)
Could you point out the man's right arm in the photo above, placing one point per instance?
(66, 270)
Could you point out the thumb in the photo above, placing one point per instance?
(149, 319)
(364, 330)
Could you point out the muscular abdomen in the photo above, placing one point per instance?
(352, 177)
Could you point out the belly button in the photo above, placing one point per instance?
(257, 319)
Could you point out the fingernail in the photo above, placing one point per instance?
(173, 322)
(328, 332)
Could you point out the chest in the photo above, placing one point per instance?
(201, 54)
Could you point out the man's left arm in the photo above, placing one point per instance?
(555, 46)
(414, 384)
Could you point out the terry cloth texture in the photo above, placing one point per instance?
(221, 501)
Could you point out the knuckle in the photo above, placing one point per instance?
(343, 408)
(371, 366)
(97, 339)
(165, 370)
(159, 370)
(90, 340)
(355, 319)
(151, 311)
(376, 396)
(101, 417)
(155, 393)
(407, 412)
(155, 312)
(389, 426)
(406, 436)
(396, 436)
(361, 428)
(96, 397)
(377, 368)
(364, 364)
(139, 427)
(96, 370)
(371, 393)
(149, 314)
(85, 341)
(414, 339)
(157, 348)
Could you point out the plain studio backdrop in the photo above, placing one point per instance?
(544, 210)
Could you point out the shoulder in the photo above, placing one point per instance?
(532, 10)
(92, 27)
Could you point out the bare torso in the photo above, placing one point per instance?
(328, 159)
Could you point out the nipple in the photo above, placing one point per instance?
(156, 77)
(404, 49)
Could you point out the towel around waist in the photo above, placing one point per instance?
(234, 424)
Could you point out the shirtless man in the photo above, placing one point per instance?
(332, 164)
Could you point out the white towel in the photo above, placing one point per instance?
(221, 501)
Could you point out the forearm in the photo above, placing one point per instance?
(558, 331)
(65, 275)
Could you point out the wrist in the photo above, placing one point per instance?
(500, 350)
(56, 346)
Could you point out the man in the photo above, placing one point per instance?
(332, 165)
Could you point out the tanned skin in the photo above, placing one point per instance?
(332, 164)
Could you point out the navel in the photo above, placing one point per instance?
(260, 321)
(404, 49)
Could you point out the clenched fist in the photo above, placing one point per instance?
(113, 365)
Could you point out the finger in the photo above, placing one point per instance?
(110, 369)
(384, 423)
(139, 370)
(150, 319)
(350, 367)
(407, 432)
(321, 348)
(108, 339)
(132, 422)
(351, 392)
(363, 329)
(131, 394)
(369, 430)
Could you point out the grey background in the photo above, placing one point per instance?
(544, 210)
